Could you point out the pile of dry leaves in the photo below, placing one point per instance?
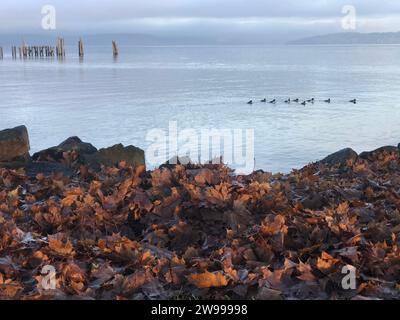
(202, 232)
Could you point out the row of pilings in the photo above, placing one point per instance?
(41, 51)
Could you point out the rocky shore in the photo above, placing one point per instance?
(112, 230)
(14, 153)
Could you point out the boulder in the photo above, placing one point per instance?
(76, 144)
(387, 149)
(111, 156)
(341, 157)
(14, 144)
(69, 145)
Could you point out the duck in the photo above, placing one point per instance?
(273, 101)
(353, 101)
(250, 102)
(328, 100)
(304, 103)
(287, 101)
(311, 100)
(296, 100)
(264, 100)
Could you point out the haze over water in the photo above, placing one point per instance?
(106, 101)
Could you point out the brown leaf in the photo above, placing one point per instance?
(64, 249)
(305, 271)
(208, 280)
(326, 262)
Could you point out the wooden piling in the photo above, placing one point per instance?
(36, 51)
(1, 53)
(60, 50)
(14, 52)
(24, 50)
(115, 49)
(39, 51)
(81, 51)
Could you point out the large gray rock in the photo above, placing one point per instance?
(14, 144)
(111, 156)
(388, 149)
(71, 144)
(341, 157)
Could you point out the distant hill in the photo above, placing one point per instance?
(100, 39)
(351, 38)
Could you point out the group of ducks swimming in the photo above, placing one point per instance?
(312, 100)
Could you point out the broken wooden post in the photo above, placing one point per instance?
(63, 48)
(58, 47)
(60, 50)
(24, 49)
(14, 52)
(81, 52)
(115, 49)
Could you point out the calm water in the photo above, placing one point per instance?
(106, 102)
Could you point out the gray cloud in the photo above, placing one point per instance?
(200, 17)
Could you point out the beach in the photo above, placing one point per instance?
(119, 231)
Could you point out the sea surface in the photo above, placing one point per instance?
(107, 101)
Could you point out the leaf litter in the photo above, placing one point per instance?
(201, 232)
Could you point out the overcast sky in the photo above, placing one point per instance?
(278, 19)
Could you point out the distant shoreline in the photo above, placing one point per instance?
(350, 38)
(143, 40)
